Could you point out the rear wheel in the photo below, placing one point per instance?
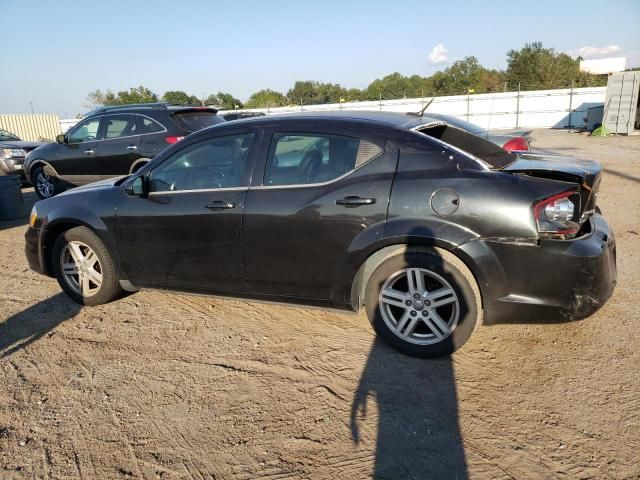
(45, 185)
(83, 267)
(423, 302)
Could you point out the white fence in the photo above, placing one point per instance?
(532, 109)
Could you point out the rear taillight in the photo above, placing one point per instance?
(173, 140)
(556, 216)
(517, 144)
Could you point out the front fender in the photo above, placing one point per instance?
(89, 211)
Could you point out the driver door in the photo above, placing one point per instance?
(187, 232)
(76, 159)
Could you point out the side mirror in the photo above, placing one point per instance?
(138, 186)
(61, 138)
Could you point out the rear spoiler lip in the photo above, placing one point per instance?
(187, 109)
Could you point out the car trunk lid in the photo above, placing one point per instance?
(586, 173)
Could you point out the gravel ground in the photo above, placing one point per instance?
(164, 385)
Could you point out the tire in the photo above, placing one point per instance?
(78, 243)
(442, 322)
(45, 185)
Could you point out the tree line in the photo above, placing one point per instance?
(532, 67)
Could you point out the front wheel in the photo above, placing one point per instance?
(423, 302)
(45, 185)
(83, 267)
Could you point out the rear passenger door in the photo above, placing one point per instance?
(153, 136)
(119, 145)
(322, 200)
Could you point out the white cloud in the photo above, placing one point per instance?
(438, 55)
(587, 51)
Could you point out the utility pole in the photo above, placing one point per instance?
(570, 106)
(468, 99)
(518, 107)
(31, 105)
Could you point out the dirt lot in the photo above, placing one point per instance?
(162, 385)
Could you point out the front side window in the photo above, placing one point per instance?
(214, 163)
(302, 158)
(86, 131)
(120, 126)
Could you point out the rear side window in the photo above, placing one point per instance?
(148, 125)
(194, 121)
(307, 158)
(120, 126)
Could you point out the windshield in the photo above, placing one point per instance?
(7, 136)
(194, 121)
(456, 122)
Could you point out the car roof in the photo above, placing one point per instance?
(146, 107)
(393, 119)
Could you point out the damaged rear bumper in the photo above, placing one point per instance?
(552, 280)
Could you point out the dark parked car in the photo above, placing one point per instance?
(12, 153)
(429, 228)
(112, 141)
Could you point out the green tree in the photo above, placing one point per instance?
(310, 92)
(178, 97)
(535, 67)
(396, 85)
(224, 100)
(354, 95)
(266, 98)
(133, 95)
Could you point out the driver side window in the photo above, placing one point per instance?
(220, 162)
(85, 132)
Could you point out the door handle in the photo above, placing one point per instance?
(353, 201)
(132, 147)
(220, 205)
(89, 152)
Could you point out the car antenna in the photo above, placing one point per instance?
(421, 112)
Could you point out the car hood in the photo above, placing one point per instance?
(20, 144)
(101, 185)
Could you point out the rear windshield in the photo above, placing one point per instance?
(490, 153)
(194, 121)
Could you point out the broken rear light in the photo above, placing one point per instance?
(556, 216)
(517, 144)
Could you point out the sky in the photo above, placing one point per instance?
(55, 53)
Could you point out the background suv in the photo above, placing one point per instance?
(12, 153)
(112, 141)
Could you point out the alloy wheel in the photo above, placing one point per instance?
(419, 306)
(44, 184)
(81, 268)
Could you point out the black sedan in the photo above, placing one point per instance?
(428, 228)
(13, 152)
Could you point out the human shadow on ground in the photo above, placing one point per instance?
(418, 435)
(27, 326)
